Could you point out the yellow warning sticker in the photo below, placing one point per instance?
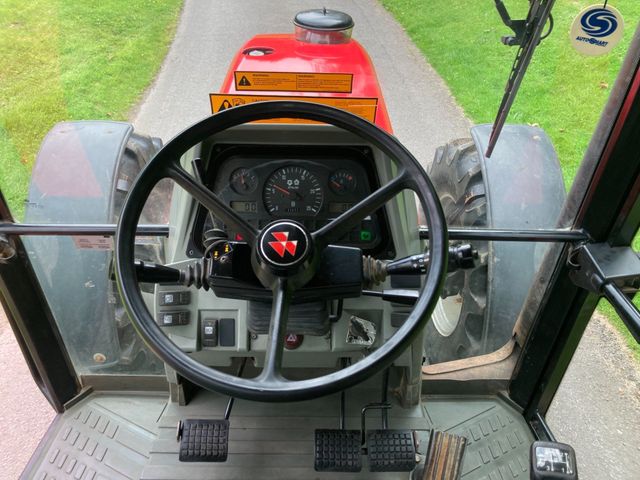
(294, 82)
(363, 107)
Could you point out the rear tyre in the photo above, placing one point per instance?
(458, 324)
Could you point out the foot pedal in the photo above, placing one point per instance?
(203, 440)
(444, 459)
(338, 451)
(391, 450)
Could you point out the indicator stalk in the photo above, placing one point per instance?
(376, 271)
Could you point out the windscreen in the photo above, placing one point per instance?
(441, 108)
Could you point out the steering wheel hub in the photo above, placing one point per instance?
(284, 245)
(284, 250)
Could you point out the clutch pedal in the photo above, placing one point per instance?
(203, 440)
(391, 450)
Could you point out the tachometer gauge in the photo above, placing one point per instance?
(293, 191)
(342, 181)
(243, 181)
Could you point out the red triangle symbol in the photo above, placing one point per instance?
(278, 247)
(291, 246)
(280, 236)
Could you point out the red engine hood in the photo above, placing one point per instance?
(290, 55)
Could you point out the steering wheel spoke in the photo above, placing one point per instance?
(340, 226)
(271, 372)
(212, 202)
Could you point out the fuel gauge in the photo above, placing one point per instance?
(342, 182)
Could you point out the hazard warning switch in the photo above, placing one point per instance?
(293, 341)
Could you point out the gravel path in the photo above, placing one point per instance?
(597, 407)
(23, 409)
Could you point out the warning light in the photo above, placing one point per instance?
(365, 235)
(239, 237)
(227, 248)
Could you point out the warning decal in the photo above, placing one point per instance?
(363, 107)
(90, 242)
(294, 82)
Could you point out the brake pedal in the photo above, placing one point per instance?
(391, 450)
(203, 440)
(338, 451)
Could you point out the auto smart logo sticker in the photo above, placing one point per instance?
(596, 30)
(599, 22)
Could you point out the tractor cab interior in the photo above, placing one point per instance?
(283, 291)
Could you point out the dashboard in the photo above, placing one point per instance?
(312, 178)
(312, 185)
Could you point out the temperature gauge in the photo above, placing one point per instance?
(342, 181)
(243, 181)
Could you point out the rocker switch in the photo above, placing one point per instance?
(172, 319)
(209, 332)
(175, 298)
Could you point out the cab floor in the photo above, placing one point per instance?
(117, 437)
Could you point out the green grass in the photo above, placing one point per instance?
(71, 60)
(563, 91)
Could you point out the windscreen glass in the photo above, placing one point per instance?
(64, 159)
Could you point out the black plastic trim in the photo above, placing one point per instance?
(33, 324)
(605, 184)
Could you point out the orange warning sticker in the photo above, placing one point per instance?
(363, 107)
(294, 82)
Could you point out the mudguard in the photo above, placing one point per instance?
(525, 190)
(80, 173)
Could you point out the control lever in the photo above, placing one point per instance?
(154, 273)
(193, 274)
(404, 297)
(460, 257)
(375, 271)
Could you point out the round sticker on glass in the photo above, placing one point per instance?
(597, 29)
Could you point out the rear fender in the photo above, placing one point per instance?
(77, 178)
(525, 190)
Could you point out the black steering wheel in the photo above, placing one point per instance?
(282, 277)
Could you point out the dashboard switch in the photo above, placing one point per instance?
(209, 332)
(172, 319)
(293, 341)
(175, 298)
(227, 332)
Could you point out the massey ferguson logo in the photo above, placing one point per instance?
(283, 244)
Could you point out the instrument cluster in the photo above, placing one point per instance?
(309, 185)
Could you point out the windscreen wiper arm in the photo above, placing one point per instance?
(528, 34)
